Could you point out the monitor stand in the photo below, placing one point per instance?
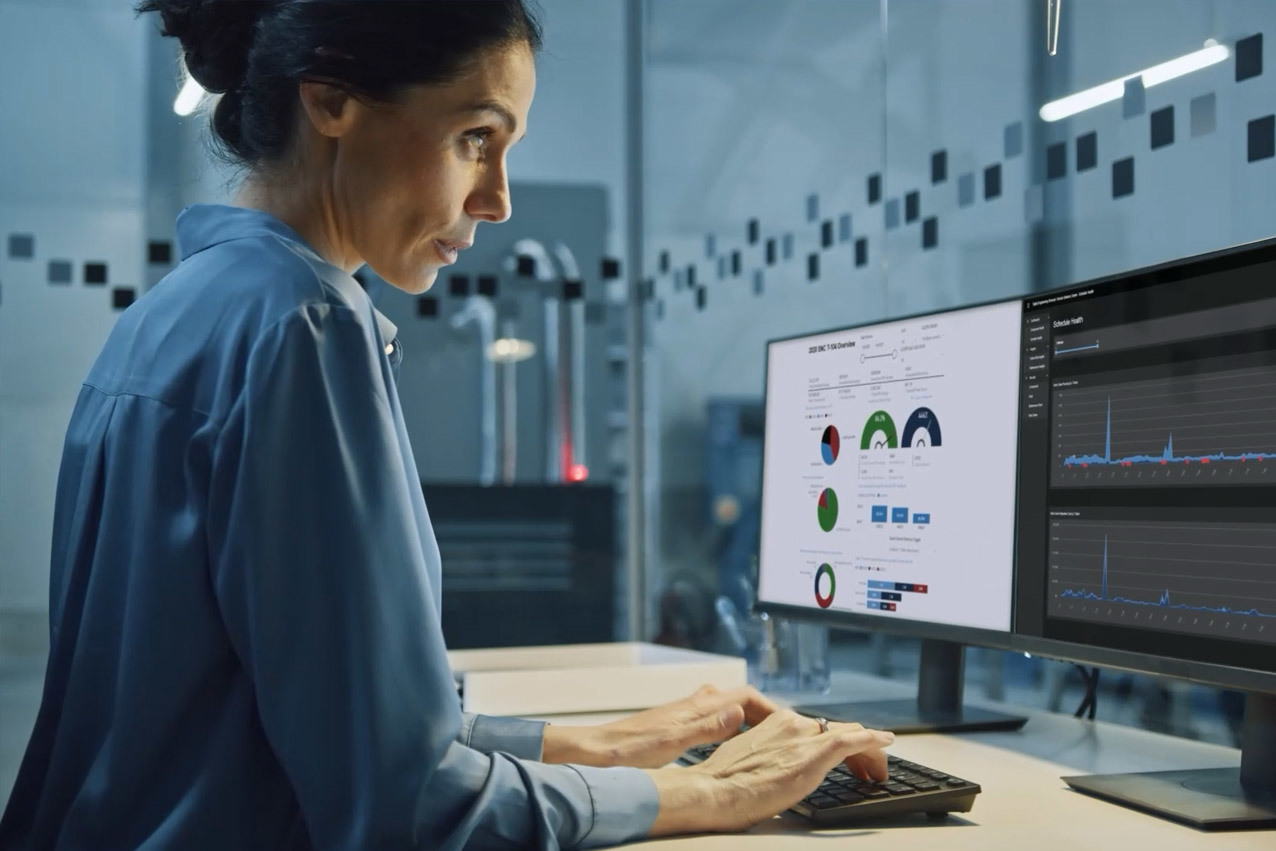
(1207, 798)
(938, 707)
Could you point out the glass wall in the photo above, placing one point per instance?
(817, 164)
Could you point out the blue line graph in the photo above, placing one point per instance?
(1075, 349)
(1163, 602)
(1166, 457)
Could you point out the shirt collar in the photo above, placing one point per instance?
(202, 226)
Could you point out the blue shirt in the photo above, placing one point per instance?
(244, 598)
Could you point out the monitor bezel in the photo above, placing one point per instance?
(906, 627)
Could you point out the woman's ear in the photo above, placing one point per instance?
(328, 108)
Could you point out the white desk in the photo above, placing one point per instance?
(1023, 805)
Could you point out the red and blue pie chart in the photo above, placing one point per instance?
(830, 444)
(825, 599)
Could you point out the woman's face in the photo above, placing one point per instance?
(411, 181)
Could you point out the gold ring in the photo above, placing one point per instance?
(824, 724)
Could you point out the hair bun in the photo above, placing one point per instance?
(216, 36)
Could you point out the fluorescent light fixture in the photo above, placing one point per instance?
(188, 98)
(511, 350)
(1211, 54)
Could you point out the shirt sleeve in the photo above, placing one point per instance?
(318, 567)
(515, 736)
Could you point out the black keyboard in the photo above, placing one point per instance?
(844, 798)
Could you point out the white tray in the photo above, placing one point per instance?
(586, 677)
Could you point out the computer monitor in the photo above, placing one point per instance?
(888, 494)
(1147, 501)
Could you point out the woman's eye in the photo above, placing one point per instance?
(477, 139)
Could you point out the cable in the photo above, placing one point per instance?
(1090, 676)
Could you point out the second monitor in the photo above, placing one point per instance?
(888, 498)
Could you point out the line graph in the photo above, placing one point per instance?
(1202, 429)
(1202, 577)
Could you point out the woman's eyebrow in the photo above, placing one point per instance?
(511, 123)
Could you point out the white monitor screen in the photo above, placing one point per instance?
(889, 469)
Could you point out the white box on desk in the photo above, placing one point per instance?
(574, 678)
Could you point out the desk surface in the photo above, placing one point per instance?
(1024, 804)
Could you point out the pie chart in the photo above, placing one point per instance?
(825, 599)
(830, 444)
(922, 429)
(826, 511)
(879, 432)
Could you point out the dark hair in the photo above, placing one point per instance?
(255, 52)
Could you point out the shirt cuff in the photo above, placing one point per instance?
(625, 804)
(514, 736)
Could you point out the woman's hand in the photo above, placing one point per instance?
(658, 736)
(761, 773)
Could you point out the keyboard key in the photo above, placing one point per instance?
(900, 789)
(953, 781)
(873, 792)
(828, 787)
(822, 802)
(848, 797)
(929, 786)
(852, 782)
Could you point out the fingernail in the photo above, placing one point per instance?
(887, 737)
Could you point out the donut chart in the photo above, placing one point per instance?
(922, 429)
(826, 510)
(830, 444)
(879, 432)
(825, 600)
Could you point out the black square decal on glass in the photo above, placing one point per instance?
(691, 276)
(159, 253)
(573, 289)
(892, 214)
(1123, 177)
(21, 246)
(1087, 151)
(60, 271)
(526, 266)
(427, 307)
(812, 207)
(912, 206)
(812, 267)
(754, 231)
(992, 182)
(874, 188)
(1249, 57)
(122, 297)
(861, 251)
(844, 227)
(736, 263)
(939, 167)
(458, 285)
(786, 246)
(701, 298)
(1203, 115)
(826, 234)
(757, 282)
(487, 285)
(664, 262)
(611, 268)
(1262, 138)
(95, 273)
(1057, 161)
(930, 232)
(966, 189)
(770, 252)
(710, 245)
(1013, 140)
(1134, 101)
(1162, 121)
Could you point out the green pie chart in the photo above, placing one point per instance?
(879, 432)
(826, 511)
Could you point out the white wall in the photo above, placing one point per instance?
(71, 140)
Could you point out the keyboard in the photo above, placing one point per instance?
(844, 798)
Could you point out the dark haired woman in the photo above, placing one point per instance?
(245, 644)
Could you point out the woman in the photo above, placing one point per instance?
(246, 649)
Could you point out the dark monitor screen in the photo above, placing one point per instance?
(888, 496)
(1147, 463)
